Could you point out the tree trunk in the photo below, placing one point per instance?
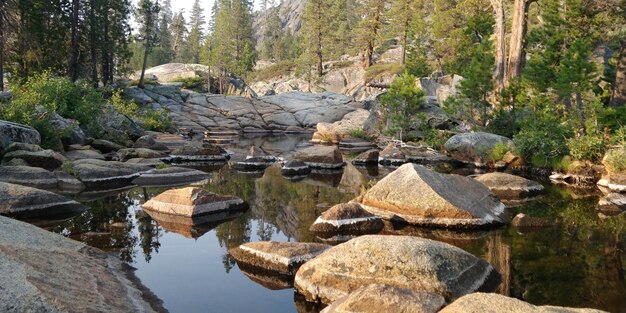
(318, 52)
(93, 44)
(73, 68)
(2, 43)
(619, 86)
(404, 40)
(106, 50)
(145, 63)
(500, 32)
(517, 54)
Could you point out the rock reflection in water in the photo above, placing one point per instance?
(191, 227)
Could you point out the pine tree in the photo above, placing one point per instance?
(165, 32)
(147, 17)
(196, 33)
(368, 30)
(179, 30)
(315, 31)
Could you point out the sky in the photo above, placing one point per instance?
(187, 4)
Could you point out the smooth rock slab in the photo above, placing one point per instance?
(193, 201)
(510, 187)
(83, 154)
(13, 132)
(252, 164)
(384, 298)
(280, 257)
(47, 159)
(495, 303)
(106, 175)
(170, 176)
(392, 155)
(323, 157)
(106, 146)
(45, 272)
(25, 202)
(295, 168)
(347, 218)
(417, 195)
(132, 153)
(28, 176)
(369, 157)
(201, 152)
(399, 261)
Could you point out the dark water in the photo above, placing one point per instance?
(580, 263)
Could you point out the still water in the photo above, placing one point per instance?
(581, 263)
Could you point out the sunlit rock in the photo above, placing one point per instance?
(346, 218)
(323, 157)
(170, 176)
(510, 187)
(384, 298)
(193, 201)
(495, 303)
(25, 202)
(280, 257)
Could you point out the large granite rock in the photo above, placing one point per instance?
(193, 201)
(83, 154)
(347, 218)
(29, 176)
(495, 303)
(106, 146)
(334, 132)
(369, 157)
(475, 148)
(400, 261)
(149, 142)
(510, 187)
(417, 195)
(201, 152)
(45, 272)
(74, 134)
(170, 176)
(12, 132)
(392, 155)
(324, 157)
(106, 175)
(47, 159)
(133, 153)
(25, 202)
(384, 298)
(280, 257)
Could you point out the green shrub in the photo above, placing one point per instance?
(377, 71)
(562, 164)
(341, 64)
(156, 120)
(542, 138)
(359, 133)
(198, 84)
(162, 166)
(282, 68)
(498, 152)
(503, 123)
(615, 160)
(587, 147)
(69, 168)
(402, 102)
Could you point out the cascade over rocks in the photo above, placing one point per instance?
(474, 148)
(25, 202)
(417, 195)
(400, 261)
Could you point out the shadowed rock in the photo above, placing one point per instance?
(25, 202)
(399, 261)
(132, 153)
(252, 164)
(295, 168)
(260, 153)
(83, 154)
(474, 148)
(106, 175)
(13, 132)
(280, 257)
(193, 201)
(419, 196)
(392, 155)
(495, 303)
(106, 146)
(510, 187)
(202, 152)
(384, 298)
(47, 159)
(324, 157)
(524, 221)
(171, 176)
(369, 157)
(28, 176)
(346, 218)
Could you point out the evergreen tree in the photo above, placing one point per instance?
(315, 30)
(147, 17)
(368, 30)
(179, 31)
(165, 33)
(196, 34)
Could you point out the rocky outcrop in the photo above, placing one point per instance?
(495, 303)
(280, 257)
(611, 204)
(335, 132)
(74, 155)
(45, 272)
(417, 195)
(47, 159)
(133, 153)
(75, 134)
(475, 148)
(25, 202)
(323, 157)
(252, 164)
(384, 298)
(510, 187)
(347, 218)
(392, 155)
(193, 201)
(12, 132)
(149, 142)
(615, 178)
(29, 176)
(170, 176)
(106, 175)
(105, 146)
(199, 152)
(400, 261)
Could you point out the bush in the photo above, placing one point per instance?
(282, 68)
(155, 120)
(587, 147)
(402, 102)
(498, 152)
(615, 160)
(542, 139)
(198, 84)
(377, 71)
(503, 123)
(359, 133)
(69, 168)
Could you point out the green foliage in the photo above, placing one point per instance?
(359, 133)
(69, 168)
(155, 120)
(563, 164)
(198, 84)
(588, 147)
(377, 71)
(283, 68)
(615, 160)
(498, 152)
(402, 102)
(503, 123)
(542, 138)
(162, 166)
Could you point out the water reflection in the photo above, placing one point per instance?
(580, 263)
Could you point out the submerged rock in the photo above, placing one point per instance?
(28, 176)
(510, 187)
(399, 261)
(193, 201)
(170, 176)
(47, 159)
(347, 218)
(417, 195)
(495, 303)
(475, 148)
(522, 220)
(323, 157)
(384, 298)
(45, 272)
(295, 168)
(25, 202)
(280, 257)
(106, 175)
(369, 157)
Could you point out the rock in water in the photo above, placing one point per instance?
(170, 176)
(201, 152)
(256, 152)
(510, 187)
(524, 221)
(347, 218)
(252, 164)
(12, 132)
(45, 272)
(280, 257)
(295, 168)
(193, 201)
(28, 176)
(323, 157)
(495, 303)
(417, 195)
(369, 157)
(106, 175)
(392, 155)
(474, 148)
(132, 153)
(384, 298)
(399, 261)
(25, 202)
